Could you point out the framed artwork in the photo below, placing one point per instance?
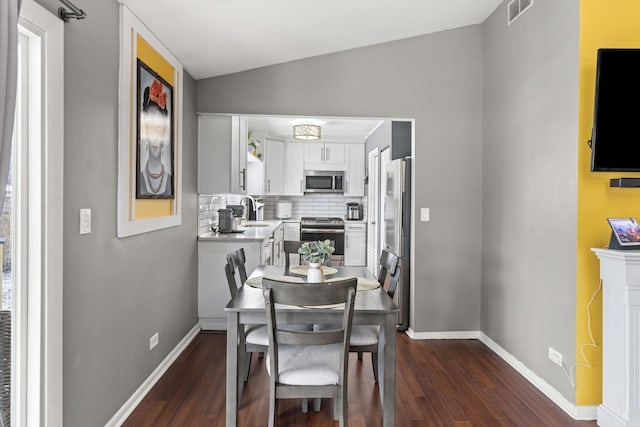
(154, 137)
(149, 131)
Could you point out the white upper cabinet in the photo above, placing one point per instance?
(274, 165)
(354, 174)
(324, 156)
(222, 154)
(294, 172)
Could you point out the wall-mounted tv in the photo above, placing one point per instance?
(615, 139)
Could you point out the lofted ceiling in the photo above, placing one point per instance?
(216, 37)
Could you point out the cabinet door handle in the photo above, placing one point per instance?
(322, 154)
(326, 152)
(347, 242)
(243, 180)
(301, 190)
(269, 186)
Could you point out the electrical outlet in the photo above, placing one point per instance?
(555, 356)
(153, 341)
(85, 221)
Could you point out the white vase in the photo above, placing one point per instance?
(314, 273)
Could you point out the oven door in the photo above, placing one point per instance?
(336, 236)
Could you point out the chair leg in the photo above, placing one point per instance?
(317, 402)
(250, 356)
(374, 362)
(273, 408)
(336, 409)
(344, 412)
(360, 356)
(304, 403)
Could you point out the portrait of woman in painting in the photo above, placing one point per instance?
(155, 136)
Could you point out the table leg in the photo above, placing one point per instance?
(387, 369)
(232, 369)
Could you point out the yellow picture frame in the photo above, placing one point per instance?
(141, 215)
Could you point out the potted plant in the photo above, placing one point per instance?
(316, 252)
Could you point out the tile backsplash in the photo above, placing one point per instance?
(320, 205)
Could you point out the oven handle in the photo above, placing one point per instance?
(320, 230)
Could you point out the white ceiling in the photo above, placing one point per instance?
(334, 129)
(216, 37)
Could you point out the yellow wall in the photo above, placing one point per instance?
(603, 23)
(150, 208)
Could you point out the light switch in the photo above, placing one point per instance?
(424, 214)
(85, 221)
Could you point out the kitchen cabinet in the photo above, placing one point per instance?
(213, 291)
(266, 254)
(222, 154)
(294, 170)
(355, 244)
(274, 165)
(292, 232)
(324, 156)
(278, 245)
(255, 175)
(354, 174)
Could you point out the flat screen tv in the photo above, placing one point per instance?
(615, 139)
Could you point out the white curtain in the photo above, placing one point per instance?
(9, 12)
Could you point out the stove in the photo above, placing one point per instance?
(309, 220)
(315, 228)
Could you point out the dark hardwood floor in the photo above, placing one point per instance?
(439, 383)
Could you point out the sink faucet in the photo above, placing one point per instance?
(252, 207)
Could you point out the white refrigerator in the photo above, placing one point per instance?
(397, 228)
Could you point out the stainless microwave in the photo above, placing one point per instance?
(323, 182)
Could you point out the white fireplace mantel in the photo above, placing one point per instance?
(620, 274)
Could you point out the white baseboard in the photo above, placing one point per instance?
(213, 323)
(575, 412)
(450, 335)
(123, 413)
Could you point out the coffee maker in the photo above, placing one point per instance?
(354, 213)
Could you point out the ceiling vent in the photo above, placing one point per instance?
(516, 8)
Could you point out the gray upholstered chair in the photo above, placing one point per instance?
(290, 248)
(255, 336)
(364, 338)
(312, 364)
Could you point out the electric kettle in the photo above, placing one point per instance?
(225, 220)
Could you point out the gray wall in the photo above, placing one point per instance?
(117, 292)
(436, 79)
(530, 184)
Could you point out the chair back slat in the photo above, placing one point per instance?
(237, 259)
(290, 248)
(309, 294)
(389, 265)
(309, 337)
(231, 279)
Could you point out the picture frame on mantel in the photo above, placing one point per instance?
(141, 209)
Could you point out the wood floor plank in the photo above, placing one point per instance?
(439, 383)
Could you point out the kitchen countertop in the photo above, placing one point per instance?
(251, 233)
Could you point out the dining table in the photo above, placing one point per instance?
(372, 306)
